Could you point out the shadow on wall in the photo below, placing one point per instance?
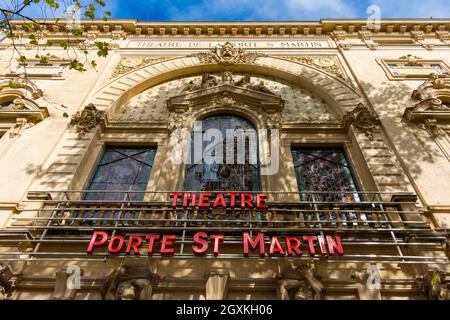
(414, 144)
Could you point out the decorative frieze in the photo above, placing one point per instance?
(128, 64)
(328, 64)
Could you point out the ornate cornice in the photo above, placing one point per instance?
(344, 32)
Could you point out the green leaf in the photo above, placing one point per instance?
(64, 44)
(77, 65)
(77, 32)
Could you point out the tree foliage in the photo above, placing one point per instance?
(65, 14)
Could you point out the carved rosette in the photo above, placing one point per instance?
(86, 119)
(362, 119)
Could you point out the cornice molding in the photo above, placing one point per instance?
(117, 28)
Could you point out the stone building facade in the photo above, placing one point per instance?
(363, 121)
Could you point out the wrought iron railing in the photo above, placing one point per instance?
(375, 227)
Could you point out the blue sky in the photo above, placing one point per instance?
(186, 10)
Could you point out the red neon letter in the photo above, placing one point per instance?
(232, 196)
(151, 242)
(167, 241)
(119, 246)
(175, 196)
(259, 240)
(135, 246)
(200, 245)
(321, 241)
(220, 199)
(246, 200)
(216, 238)
(310, 239)
(261, 199)
(98, 239)
(335, 245)
(187, 197)
(295, 246)
(275, 246)
(203, 201)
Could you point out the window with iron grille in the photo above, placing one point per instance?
(226, 176)
(124, 169)
(325, 171)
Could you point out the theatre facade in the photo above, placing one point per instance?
(227, 160)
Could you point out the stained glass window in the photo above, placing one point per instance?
(324, 170)
(124, 169)
(236, 176)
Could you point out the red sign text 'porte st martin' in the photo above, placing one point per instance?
(203, 243)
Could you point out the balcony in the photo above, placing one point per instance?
(374, 227)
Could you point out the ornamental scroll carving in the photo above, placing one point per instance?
(127, 64)
(5, 281)
(86, 119)
(129, 283)
(227, 56)
(300, 283)
(208, 81)
(361, 118)
(328, 64)
(430, 109)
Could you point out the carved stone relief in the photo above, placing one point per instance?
(300, 283)
(412, 67)
(5, 281)
(300, 104)
(127, 64)
(227, 56)
(129, 283)
(430, 110)
(86, 119)
(362, 119)
(20, 125)
(329, 64)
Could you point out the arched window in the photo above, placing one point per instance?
(236, 164)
